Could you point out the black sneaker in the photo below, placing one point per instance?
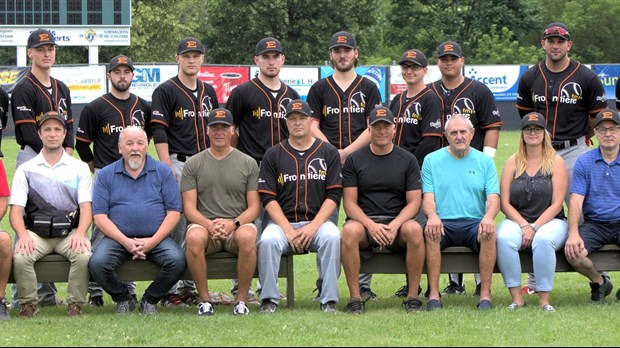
(355, 307)
(412, 304)
(367, 294)
(268, 306)
(600, 291)
(96, 301)
(454, 289)
(329, 307)
(403, 291)
(127, 306)
(4, 311)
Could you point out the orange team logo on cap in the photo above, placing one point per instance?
(270, 44)
(411, 54)
(533, 118)
(381, 113)
(122, 60)
(192, 44)
(44, 37)
(220, 114)
(296, 106)
(607, 114)
(342, 39)
(448, 47)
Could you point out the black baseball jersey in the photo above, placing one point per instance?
(4, 113)
(103, 120)
(342, 114)
(418, 122)
(565, 98)
(618, 95)
(300, 181)
(30, 100)
(179, 115)
(259, 113)
(473, 99)
(382, 181)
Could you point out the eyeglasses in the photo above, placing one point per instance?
(557, 31)
(411, 66)
(533, 130)
(611, 130)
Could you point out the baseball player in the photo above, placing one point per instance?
(258, 107)
(341, 104)
(180, 108)
(618, 95)
(462, 95)
(568, 94)
(300, 186)
(101, 123)
(37, 93)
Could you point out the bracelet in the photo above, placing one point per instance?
(524, 225)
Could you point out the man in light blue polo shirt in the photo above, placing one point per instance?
(595, 192)
(136, 204)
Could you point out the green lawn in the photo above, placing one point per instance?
(576, 322)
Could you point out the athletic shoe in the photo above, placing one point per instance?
(514, 306)
(433, 305)
(172, 300)
(268, 306)
(454, 289)
(4, 311)
(74, 310)
(241, 309)
(484, 305)
(55, 302)
(600, 291)
(190, 298)
(205, 309)
(403, 291)
(367, 294)
(548, 308)
(95, 301)
(355, 307)
(412, 304)
(526, 290)
(477, 291)
(28, 310)
(329, 307)
(127, 306)
(220, 298)
(148, 308)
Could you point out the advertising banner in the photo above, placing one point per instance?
(147, 77)
(502, 80)
(608, 73)
(299, 78)
(397, 84)
(10, 76)
(86, 83)
(70, 36)
(224, 79)
(374, 73)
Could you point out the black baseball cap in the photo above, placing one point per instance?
(298, 106)
(268, 44)
(41, 37)
(381, 114)
(556, 29)
(120, 60)
(190, 44)
(534, 119)
(607, 115)
(449, 48)
(52, 115)
(414, 56)
(220, 116)
(342, 39)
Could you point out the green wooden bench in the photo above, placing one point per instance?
(222, 265)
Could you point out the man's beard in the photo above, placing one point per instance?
(120, 88)
(135, 164)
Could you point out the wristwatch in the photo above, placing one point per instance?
(237, 223)
(534, 227)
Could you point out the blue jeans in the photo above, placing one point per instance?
(110, 254)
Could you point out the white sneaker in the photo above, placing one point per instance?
(205, 309)
(241, 309)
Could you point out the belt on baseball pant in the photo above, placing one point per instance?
(563, 144)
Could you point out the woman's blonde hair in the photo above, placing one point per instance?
(548, 155)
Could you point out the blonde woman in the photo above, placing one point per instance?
(533, 185)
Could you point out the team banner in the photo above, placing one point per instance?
(398, 84)
(375, 74)
(502, 80)
(298, 78)
(147, 77)
(608, 73)
(86, 83)
(224, 79)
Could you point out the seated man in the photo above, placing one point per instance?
(6, 255)
(49, 192)
(382, 194)
(219, 187)
(595, 192)
(136, 204)
(461, 200)
(300, 186)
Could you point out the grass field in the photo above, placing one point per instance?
(576, 322)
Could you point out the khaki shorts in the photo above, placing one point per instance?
(216, 245)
